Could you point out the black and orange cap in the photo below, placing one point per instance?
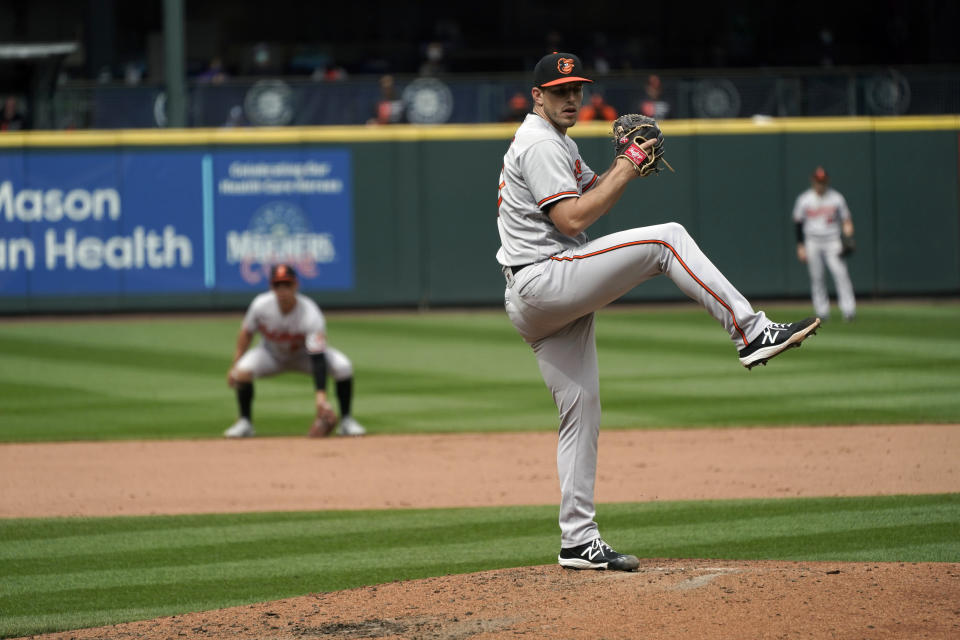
(282, 273)
(559, 68)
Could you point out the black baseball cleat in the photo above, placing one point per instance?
(775, 339)
(596, 555)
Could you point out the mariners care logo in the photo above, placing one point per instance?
(278, 232)
(274, 208)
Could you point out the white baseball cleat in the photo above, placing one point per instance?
(242, 428)
(350, 427)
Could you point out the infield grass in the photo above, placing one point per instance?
(67, 573)
(468, 371)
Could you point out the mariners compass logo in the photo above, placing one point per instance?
(279, 232)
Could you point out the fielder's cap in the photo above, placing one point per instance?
(282, 273)
(820, 174)
(559, 68)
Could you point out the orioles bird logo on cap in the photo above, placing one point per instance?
(565, 65)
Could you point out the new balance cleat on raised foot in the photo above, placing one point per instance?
(596, 554)
(242, 428)
(775, 339)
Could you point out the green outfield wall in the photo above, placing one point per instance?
(424, 204)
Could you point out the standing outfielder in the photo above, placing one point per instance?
(293, 338)
(825, 235)
(556, 279)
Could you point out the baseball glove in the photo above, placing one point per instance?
(848, 245)
(325, 422)
(632, 130)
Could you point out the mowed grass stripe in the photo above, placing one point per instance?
(438, 372)
(189, 563)
(245, 542)
(152, 355)
(235, 538)
(105, 381)
(881, 406)
(336, 566)
(60, 537)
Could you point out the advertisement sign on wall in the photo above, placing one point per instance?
(156, 221)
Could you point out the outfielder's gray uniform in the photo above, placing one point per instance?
(551, 301)
(822, 218)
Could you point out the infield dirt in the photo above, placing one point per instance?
(666, 598)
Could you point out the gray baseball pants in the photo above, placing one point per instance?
(262, 363)
(551, 304)
(827, 250)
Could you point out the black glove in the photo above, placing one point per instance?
(632, 130)
(848, 244)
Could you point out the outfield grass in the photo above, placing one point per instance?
(469, 371)
(67, 573)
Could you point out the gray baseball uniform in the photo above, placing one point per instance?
(555, 283)
(289, 339)
(822, 217)
(293, 338)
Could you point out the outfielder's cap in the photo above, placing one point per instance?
(820, 174)
(558, 68)
(282, 273)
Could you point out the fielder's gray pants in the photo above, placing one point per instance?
(551, 303)
(827, 250)
(262, 363)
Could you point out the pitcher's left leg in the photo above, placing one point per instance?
(568, 363)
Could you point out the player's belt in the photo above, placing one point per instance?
(509, 272)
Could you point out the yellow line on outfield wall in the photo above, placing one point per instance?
(497, 131)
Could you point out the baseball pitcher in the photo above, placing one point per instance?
(557, 277)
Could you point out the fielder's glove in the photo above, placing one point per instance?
(325, 422)
(632, 130)
(848, 244)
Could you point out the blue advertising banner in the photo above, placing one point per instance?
(172, 221)
(17, 251)
(271, 207)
